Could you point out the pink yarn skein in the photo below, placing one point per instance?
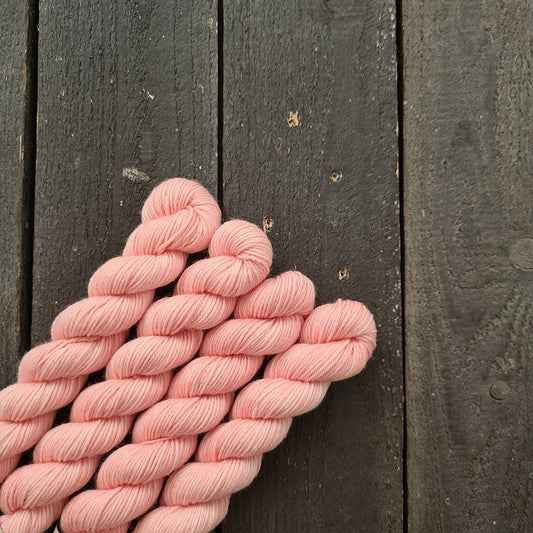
(267, 320)
(139, 375)
(178, 218)
(336, 342)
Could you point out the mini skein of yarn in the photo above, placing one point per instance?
(139, 375)
(178, 218)
(336, 342)
(267, 320)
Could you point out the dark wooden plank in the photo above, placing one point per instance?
(310, 152)
(17, 165)
(469, 264)
(127, 98)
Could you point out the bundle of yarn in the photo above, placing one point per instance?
(187, 407)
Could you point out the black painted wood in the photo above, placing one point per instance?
(469, 265)
(127, 98)
(310, 152)
(17, 164)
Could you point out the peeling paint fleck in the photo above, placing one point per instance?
(336, 176)
(293, 120)
(344, 274)
(267, 224)
(134, 175)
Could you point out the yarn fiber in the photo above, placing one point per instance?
(138, 376)
(267, 320)
(336, 342)
(178, 218)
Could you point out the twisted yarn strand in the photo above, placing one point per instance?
(138, 376)
(267, 320)
(131, 478)
(178, 218)
(336, 342)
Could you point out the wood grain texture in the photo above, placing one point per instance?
(127, 98)
(469, 265)
(310, 153)
(16, 182)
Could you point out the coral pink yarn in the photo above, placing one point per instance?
(138, 376)
(336, 342)
(268, 319)
(179, 217)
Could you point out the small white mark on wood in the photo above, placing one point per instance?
(134, 175)
(344, 274)
(151, 96)
(336, 176)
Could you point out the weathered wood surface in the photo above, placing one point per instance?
(468, 105)
(304, 116)
(310, 152)
(16, 168)
(127, 98)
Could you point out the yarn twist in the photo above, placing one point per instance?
(178, 218)
(138, 375)
(336, 342)
(268, 319)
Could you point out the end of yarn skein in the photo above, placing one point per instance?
(343, 319)
(179, 215)
(240, 259)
